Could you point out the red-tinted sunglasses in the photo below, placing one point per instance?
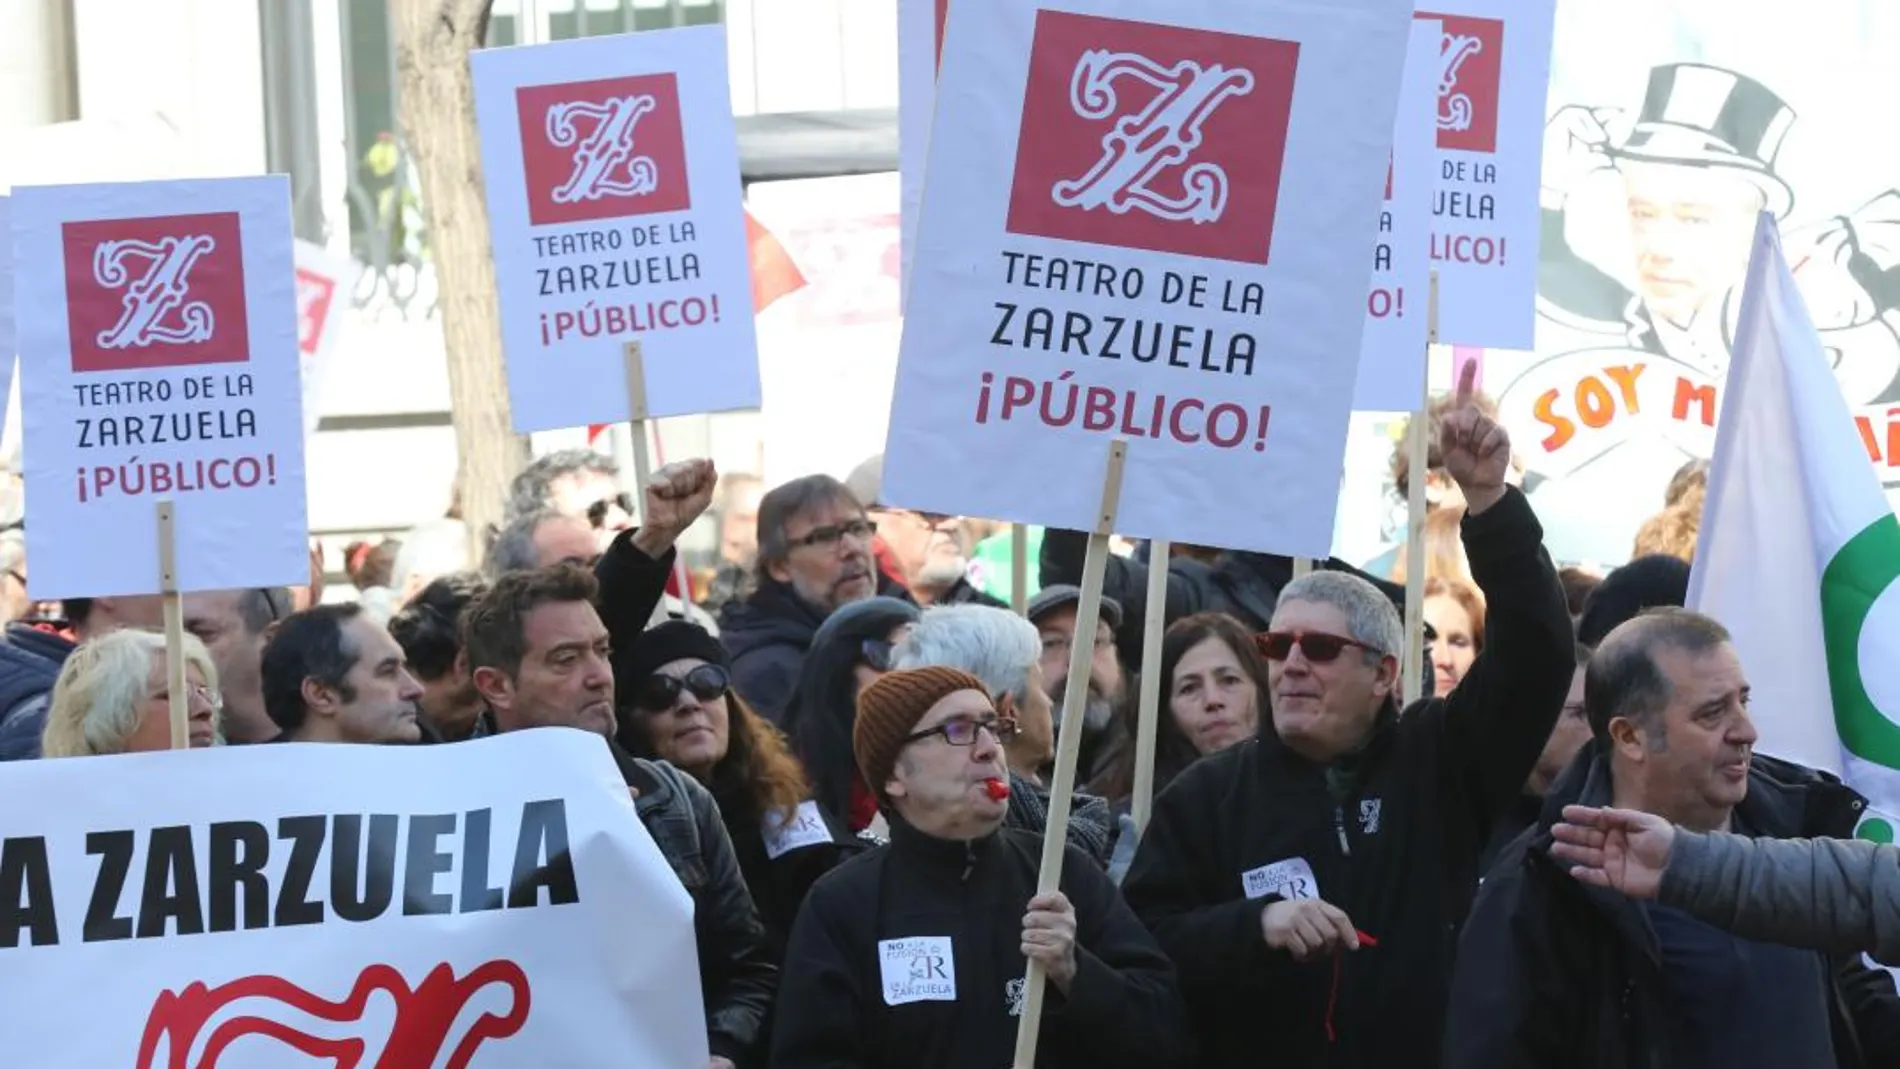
(1318, 646)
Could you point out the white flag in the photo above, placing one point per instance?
(1799, 549)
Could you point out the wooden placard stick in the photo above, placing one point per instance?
(1069, 740)
(637, 418)
(1019, 568)
(179, 698)
(1417, 456)
(1154, 624)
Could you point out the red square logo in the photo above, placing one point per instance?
(167, 291)
(604, 149)
(1470, 69)
(315, 293)
(1152, 137)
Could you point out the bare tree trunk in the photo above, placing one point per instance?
(437, 109)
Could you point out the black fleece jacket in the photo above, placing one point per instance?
(959, 908)
(1391, 836)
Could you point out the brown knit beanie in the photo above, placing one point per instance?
(891, 708)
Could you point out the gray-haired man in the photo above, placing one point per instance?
(1347, 832)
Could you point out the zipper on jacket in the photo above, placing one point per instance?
(969, 861)
(1339, 827)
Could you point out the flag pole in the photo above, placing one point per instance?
(1417, 457)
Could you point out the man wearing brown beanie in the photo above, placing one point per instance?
(914, 955)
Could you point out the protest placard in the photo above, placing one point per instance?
(1392, 355)
(324, 283)
(492, 903)
(612, 170)
(7, 363)
(158, 358)
(920, 26)
(1151, 237)
(1493, 77)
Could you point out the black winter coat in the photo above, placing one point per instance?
(1396, 848)
(768, 634)
(961, 905)
(736, 976)
(1554, 974)
(780, 866)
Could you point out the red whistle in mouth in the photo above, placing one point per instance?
(998, 789)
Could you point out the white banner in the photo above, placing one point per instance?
(920, 25)
(158, 354)
(483, 905)
(1392, 354)
(1151, 236)
(324, 283)
(614, 209)
(1493, 75)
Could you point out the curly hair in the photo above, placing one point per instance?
(1675, 529)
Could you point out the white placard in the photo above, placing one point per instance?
(324, 284)
(414, 899)
(612, 166)
(920, 25)
(1494, 74)
(158, 357)
(1392, 355)
(7, 363)
(1197, 307)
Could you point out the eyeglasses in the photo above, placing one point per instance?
(1318, 646)
(196, 690)
(963, 732)
(877, 654)
(597, 512)
(657, 693)
(831, 534)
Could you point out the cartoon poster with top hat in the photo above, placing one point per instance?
(1671, 126)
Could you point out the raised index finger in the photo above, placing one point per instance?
(1467, 384)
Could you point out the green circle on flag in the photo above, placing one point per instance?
(1875, 830)
(1850, 585)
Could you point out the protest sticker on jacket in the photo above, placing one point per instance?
(158, 357)
(324, 283)
(1494, 69)
(614, 208)
(1152, 237)
(1392, 354)
(489, 904)
(920, 26)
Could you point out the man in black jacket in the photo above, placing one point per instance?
(1308, 882)
(538, 655)
(1554, 973)
(814, 555)
(913, 956)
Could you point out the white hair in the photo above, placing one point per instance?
(102, 688)
(428, 550)
(994, 645)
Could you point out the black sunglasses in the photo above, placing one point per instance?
(1318, 646)
(657, 693)
(597, 512)
(963, 732)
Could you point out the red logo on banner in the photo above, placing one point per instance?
(315, 293)
(1470, 70)
(943, 12)
(1152, 137)
(166, 291)
(604, 149)
(204, 1021)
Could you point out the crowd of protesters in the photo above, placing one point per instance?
(1540, 859)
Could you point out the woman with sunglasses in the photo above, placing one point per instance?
(851, 650)
(1214, 683)
(677, 704)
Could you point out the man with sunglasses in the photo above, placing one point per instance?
(540, 657)
(914, 955)
(1309, 882)
(814, 556)
(931, 550)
